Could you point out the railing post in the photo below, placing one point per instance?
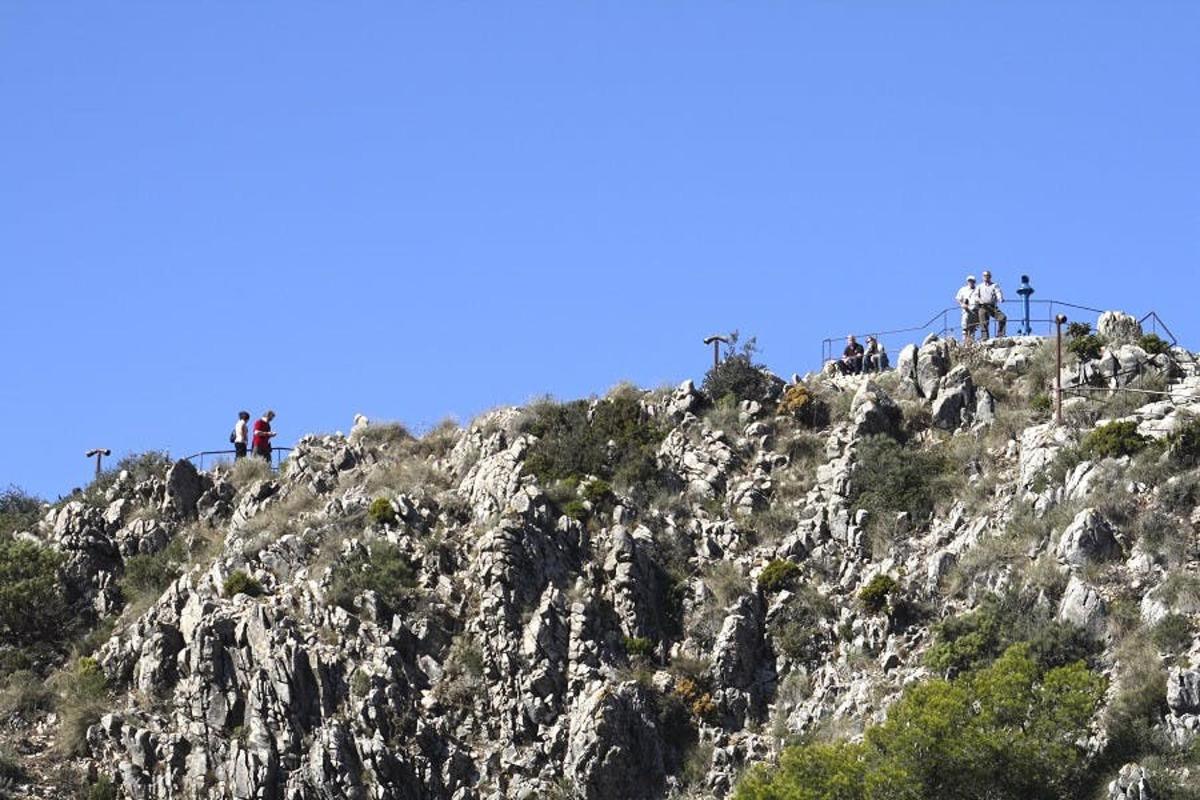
(1058, 418)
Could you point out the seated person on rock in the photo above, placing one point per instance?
(852, 357)
(875, 358)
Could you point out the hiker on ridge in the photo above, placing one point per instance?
(239, 437)
(263, 435)
(990, 298)
(968, 300)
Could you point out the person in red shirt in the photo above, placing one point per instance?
(263, 435)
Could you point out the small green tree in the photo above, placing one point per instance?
(737, 375)
(1113, 440)
(1154, 344)
(383, 569)
(33, 605)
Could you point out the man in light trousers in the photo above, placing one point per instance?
(990, 297)
(968, 300)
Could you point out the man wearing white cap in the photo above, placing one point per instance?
(968, 300)
(990, 297)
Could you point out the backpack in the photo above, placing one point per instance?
(232, 437)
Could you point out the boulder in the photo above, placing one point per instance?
(614, 749)
(1082, 605)
(873, 412)
(1089, 539)
(1131, 783)
(955, 402)
(184, 487)
(1183, 691)
(933, 362)
(1118, 327)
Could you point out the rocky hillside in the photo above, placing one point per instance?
(638, 596)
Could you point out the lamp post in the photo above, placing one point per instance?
(99, 453)
(1059, 321)
(716, 342)
(1025, 290)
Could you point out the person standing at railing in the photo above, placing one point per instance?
(990, 298)
(263, 435)
(968, 300)
(239, 436)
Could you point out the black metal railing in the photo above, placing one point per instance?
(278, 455)
(947, 322)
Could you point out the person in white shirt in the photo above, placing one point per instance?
(239, 435)
(968, 300)
(990, 298)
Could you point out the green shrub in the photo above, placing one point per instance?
(890, 478)
(1009, 732)
(1076, 330)
(598, 493)
(737, 376)
(1086, 348)
(102, 789)
(383, 569)
(639, 647)
(877, 593)
(1184, 445)
(1173, 634)
(779, 574)
(1154, 344)
(795, 629)
(1113, 440)
(33, 607)
(803, 405)
(239, 582)
(83, 697)
(974, 640)
(1041, 403)
(381, 511)
(18, 510)
(613, 440)
(576, 509)
(149, 574)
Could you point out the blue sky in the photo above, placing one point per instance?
(415, 210)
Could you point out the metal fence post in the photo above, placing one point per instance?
(1058, 418)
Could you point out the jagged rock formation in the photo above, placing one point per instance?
(628, 650)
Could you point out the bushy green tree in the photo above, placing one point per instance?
(33, 607)
(1113, 440)
(384, 569)
(18, 510)
(890, 478)
(614, 440)
(1007, 732)
(737, 375)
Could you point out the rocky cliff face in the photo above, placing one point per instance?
(620, 644)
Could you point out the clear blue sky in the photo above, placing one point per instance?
(414, 210)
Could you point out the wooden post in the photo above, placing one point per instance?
(1058, 418)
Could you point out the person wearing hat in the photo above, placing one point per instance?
(263, 435)
(968, 300)
(989, 298)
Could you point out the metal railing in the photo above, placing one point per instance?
(948, 322)
(278, 454)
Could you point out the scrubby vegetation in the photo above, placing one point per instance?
(891, 478)
(737, 376)
(1009, 731)
(33, 607)
(779, 574)
(239, 582)
(383, 569)
(612, 439)
(1113, 440)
